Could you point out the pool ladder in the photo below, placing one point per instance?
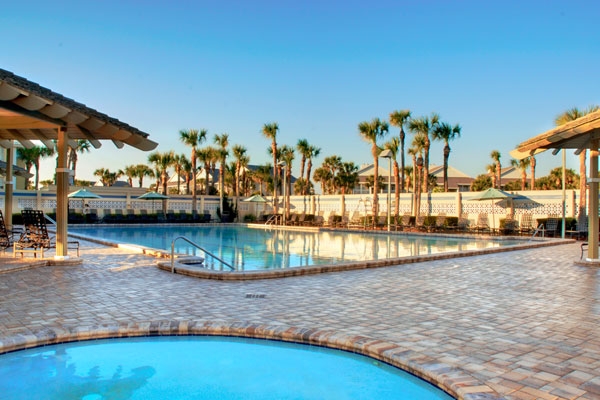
(231, 267)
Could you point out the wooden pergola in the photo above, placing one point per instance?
(580, 134)
(30, 112)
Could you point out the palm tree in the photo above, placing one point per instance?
(399, 119)
(81, 146)
(323, 176)
(498, 171)
(205, 156)
(370, 132)
(222, 141)
(270, 132)
(193, 138)
(313, 152)
(567, 116)
(243, 161)
(304, 149)
(106, 177)
(532, 163)
(162, 162)
(491, 170)
(130, 172)
(445, 132)
(262, 174)
(186, 169)
(31, 157)
(416, 151)
(178, 164)
(394, 146)
(425, 126)
(287, 156)
(522, 165)
(346, 178)
(142, 170)
(331, 164)
(239, 153)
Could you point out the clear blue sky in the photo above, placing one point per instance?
(501, 69)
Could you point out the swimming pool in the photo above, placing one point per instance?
(250, 248)
(201, 367)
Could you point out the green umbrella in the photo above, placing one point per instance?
(493, 194)
(83, 194)
(153, 196)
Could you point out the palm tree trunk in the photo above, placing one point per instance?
(446, 156)
(375, 182)
(532, 164)
(402, 137)
(397, 190)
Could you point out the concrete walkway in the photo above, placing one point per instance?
(516, 325)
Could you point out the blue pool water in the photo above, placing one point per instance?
(198, 367)
(261, 248)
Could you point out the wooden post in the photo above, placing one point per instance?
(593, 202)
(62, 201)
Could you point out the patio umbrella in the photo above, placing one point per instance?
(83, 194)
(493, 194)
(153, 196)
(258, 199)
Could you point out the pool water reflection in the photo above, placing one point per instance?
(250, 248)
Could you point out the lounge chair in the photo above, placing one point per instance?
(483, 224)
(6, 236)
(35, 238)
(526, 224)
(551, 227)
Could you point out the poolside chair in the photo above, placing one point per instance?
(510, 226)
(405, 222)
(463, 223)
(440, 222)
(526, 224)
(580, 232)
(6, 236)
(308, 220)
(92, 216)
(483, 224)
(35, 238)
(551, 227)
(171, 218)
(420, 223)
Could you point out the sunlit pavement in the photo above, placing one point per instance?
(522, 325)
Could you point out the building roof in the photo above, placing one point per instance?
(29, 111)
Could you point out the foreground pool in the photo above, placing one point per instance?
(200, 367)
(262, 248)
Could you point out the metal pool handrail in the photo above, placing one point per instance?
(196, 246)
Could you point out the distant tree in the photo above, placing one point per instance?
(495, 154)
(222, 153)
(523, 165)
(445, 132)
(400, 119)
(482, 182)
(239, 152)
(130, 172)
(31, 158)
(371, 132)
(142, 171)
(425, 126)
(313, 152)
(107, 177)
(491, 170)
(162, 162)
(81, 146)
(270, 132)
(567, 116)
(394, 146)
(193, 138)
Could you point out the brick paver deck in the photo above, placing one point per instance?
(516, 325)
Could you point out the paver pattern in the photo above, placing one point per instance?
(523, 324)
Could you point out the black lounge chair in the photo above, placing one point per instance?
(6, 236)
(35, 238)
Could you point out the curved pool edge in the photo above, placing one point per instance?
(199, 272)
(454, 381)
